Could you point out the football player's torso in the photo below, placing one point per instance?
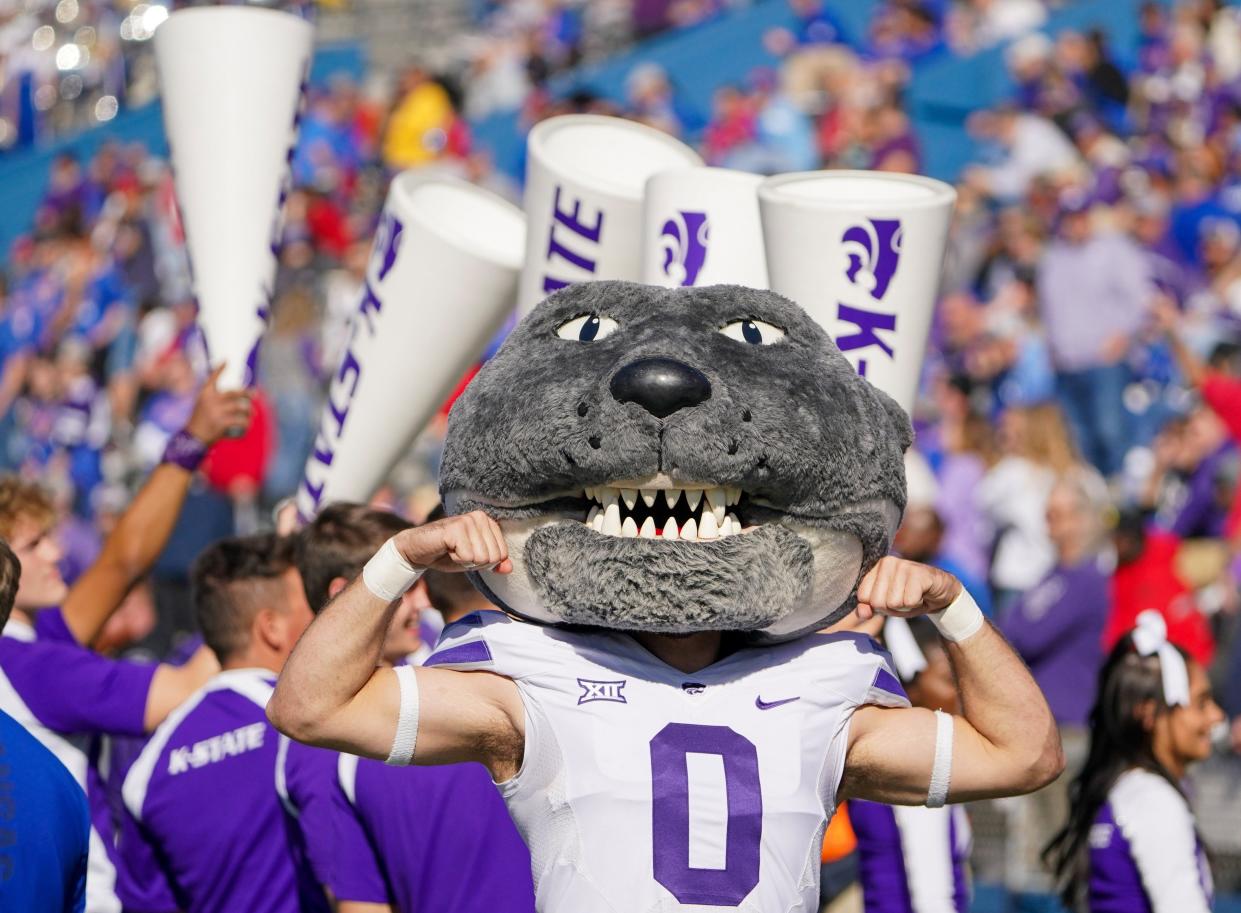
(647, 789)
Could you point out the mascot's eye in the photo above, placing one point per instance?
(587, 328)
(755, 332)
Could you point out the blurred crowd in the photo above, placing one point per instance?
(66, 65)
(1079, 440)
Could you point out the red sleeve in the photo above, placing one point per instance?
(1223, 395)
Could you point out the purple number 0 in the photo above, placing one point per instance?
(728, 886)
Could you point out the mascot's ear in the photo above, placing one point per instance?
(902, 427)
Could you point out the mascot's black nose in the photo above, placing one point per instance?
(661, 386)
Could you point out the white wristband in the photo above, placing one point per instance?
(406, 738)
(388, 575)
(961, 620)
(941, 770)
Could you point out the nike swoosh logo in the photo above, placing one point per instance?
(767, 705)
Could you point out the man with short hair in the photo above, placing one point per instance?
(201, 791)
(379, 837)
(44, 821)
(63, 693)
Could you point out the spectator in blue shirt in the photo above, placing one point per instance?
(44, 822)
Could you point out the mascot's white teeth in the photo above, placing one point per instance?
(694, 514)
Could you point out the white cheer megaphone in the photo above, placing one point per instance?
(231, 80)
(585, 179)
(442, 280)
(862, 252)
(701, 226)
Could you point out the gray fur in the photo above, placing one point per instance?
(591, 579)
(820, 448)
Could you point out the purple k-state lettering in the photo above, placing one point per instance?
(554, 248)
(868, 324)
(392, 228)
(370, 303)
(348, 366)
(572, 220)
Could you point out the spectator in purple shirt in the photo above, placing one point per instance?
(330, 552)
(1195, 476)
(201, 791)
(1057, 628)
(441, 836)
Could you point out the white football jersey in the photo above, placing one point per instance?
(645, 789)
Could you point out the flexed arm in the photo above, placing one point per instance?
(332, 694)
(1006, 741)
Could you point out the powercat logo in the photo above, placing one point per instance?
(872, 253)
(683, 241)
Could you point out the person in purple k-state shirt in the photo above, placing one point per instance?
(201, 790)
(65, 695)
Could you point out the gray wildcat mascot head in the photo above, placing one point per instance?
(677, 460)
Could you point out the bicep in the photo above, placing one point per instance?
(470, 716)
(892, 751)
(462, 716)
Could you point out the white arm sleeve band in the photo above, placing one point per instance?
(406, 739)
(941, 770)
(388, 575)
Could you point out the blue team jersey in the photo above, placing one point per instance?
(67, 696)
(44, 827)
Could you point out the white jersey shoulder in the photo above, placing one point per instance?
(645, 789)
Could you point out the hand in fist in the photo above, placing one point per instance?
(465, 543)
(895, 586)
(219, 412)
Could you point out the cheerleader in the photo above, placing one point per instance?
(1130, 845)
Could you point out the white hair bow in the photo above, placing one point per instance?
(906, 655)
(1150, 637)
